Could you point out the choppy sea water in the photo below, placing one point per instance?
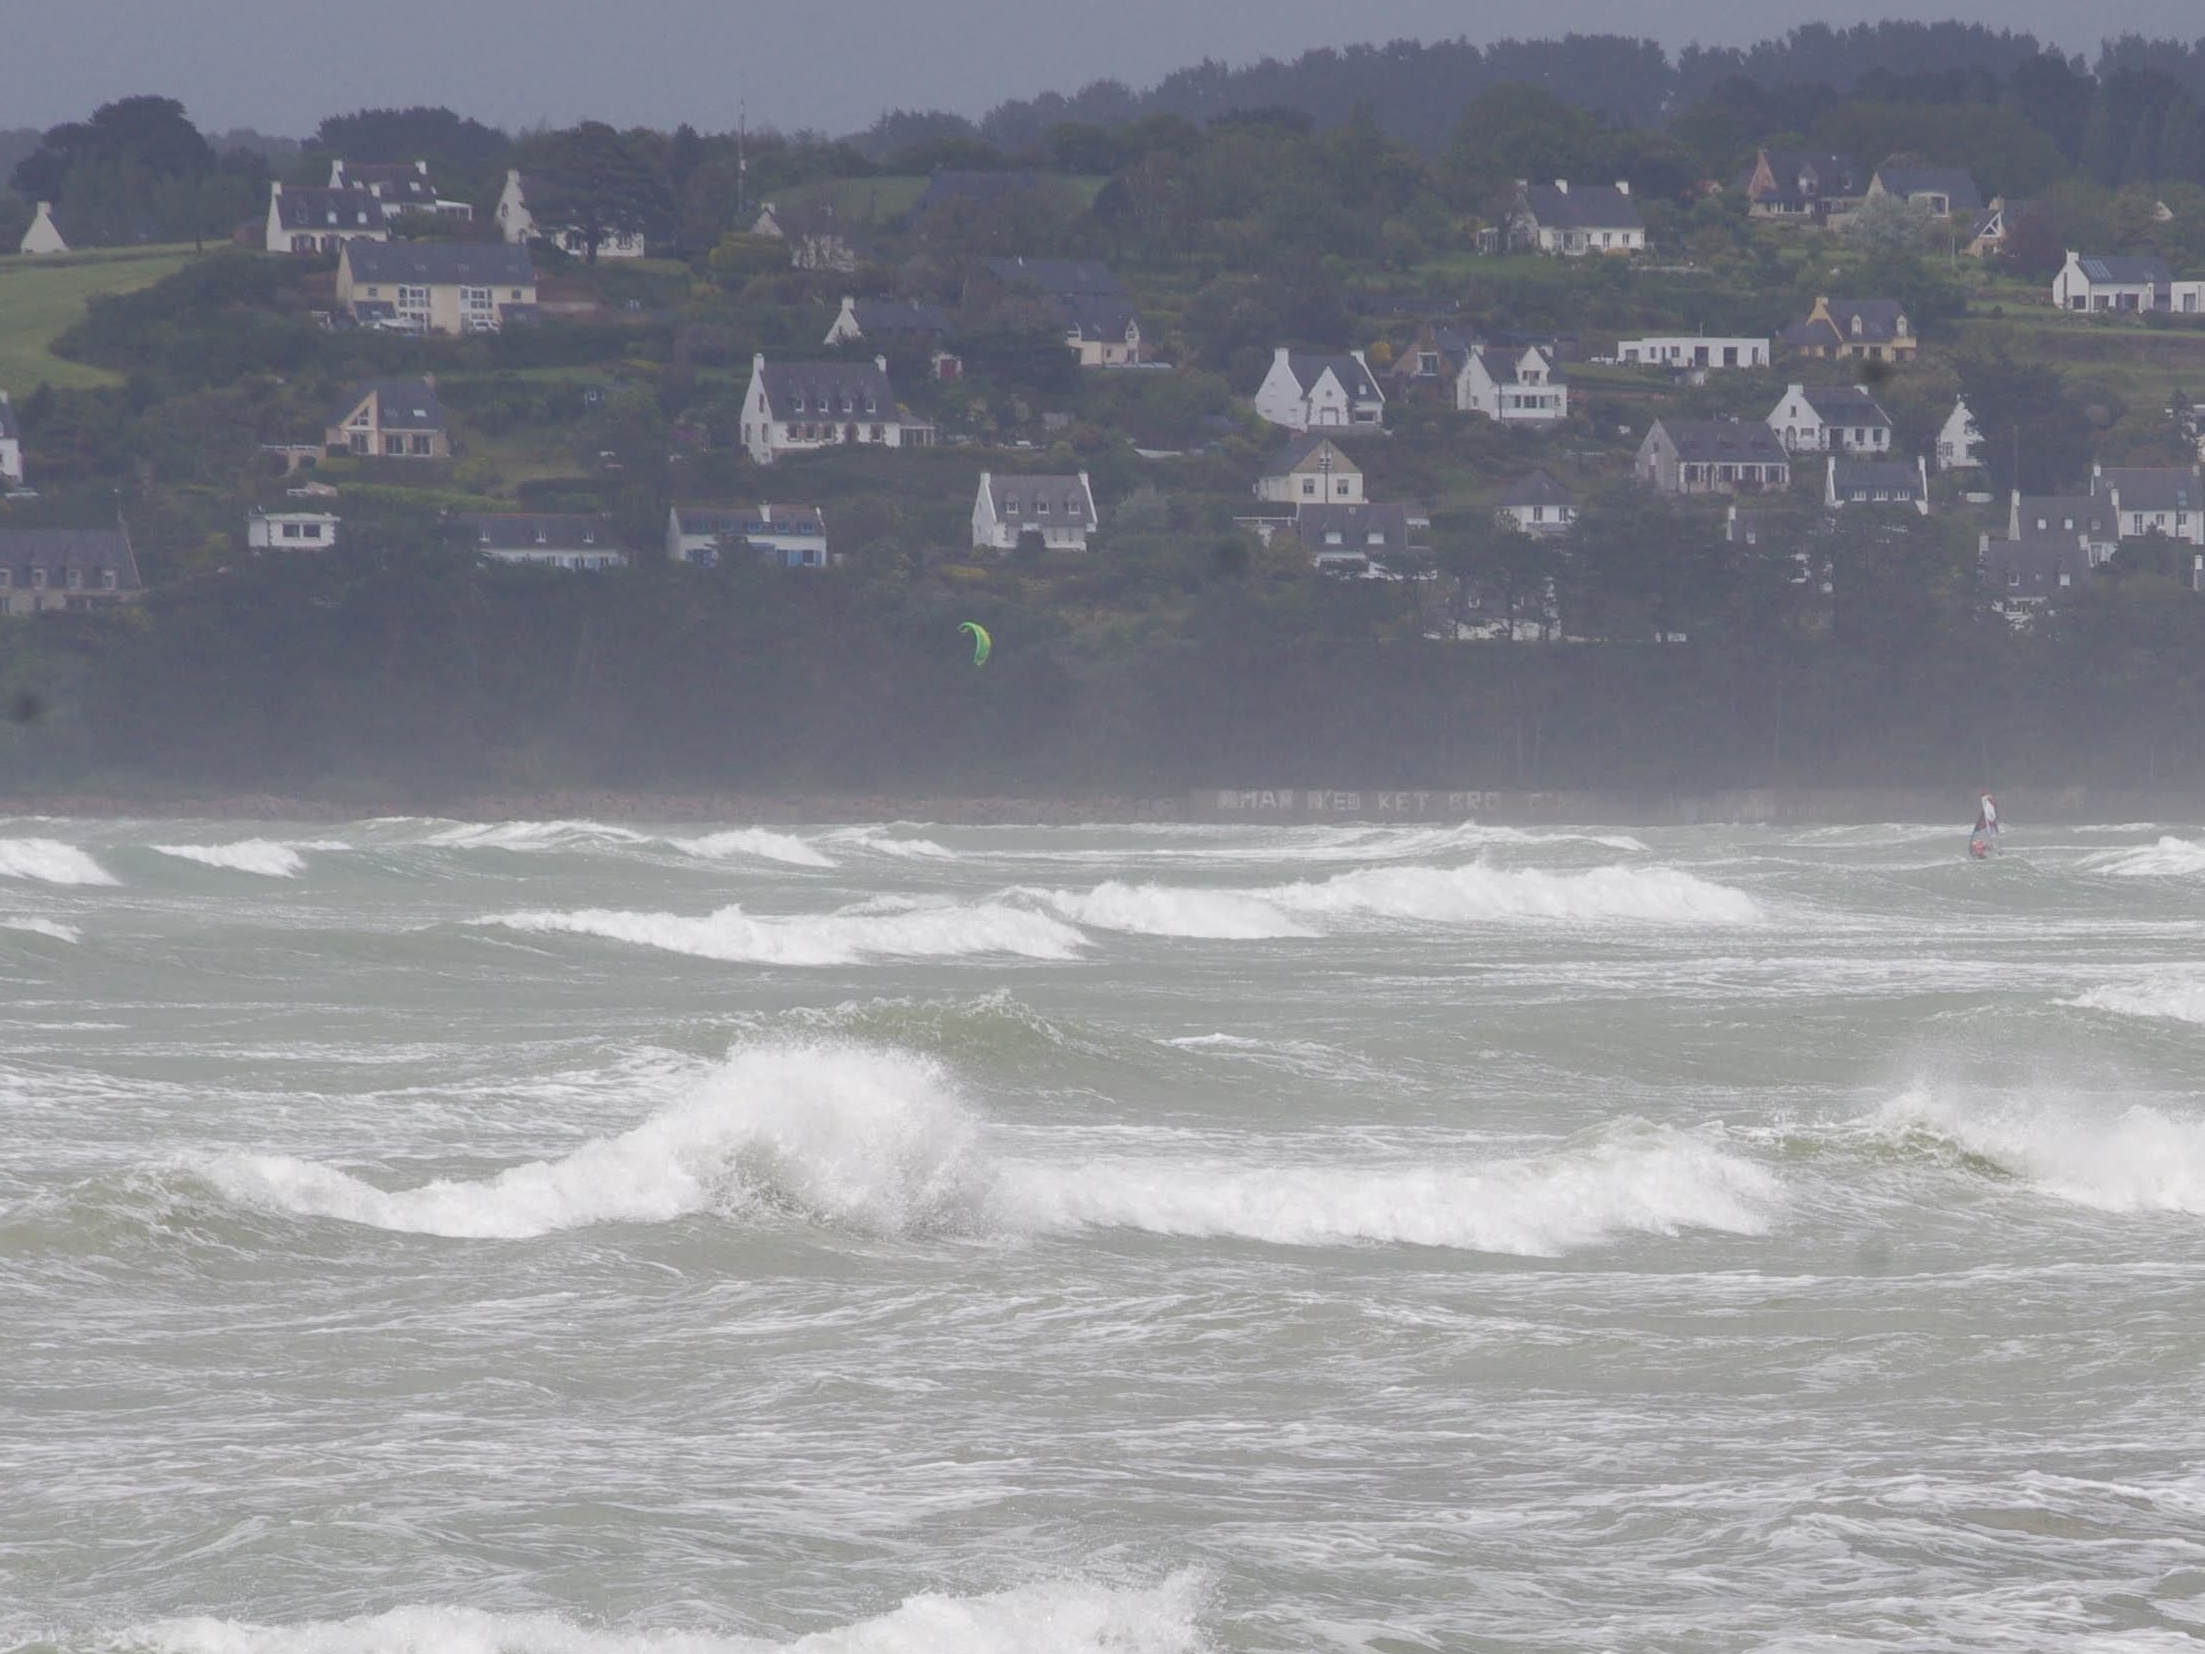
(424, 1237)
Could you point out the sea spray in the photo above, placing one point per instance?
(758, 842)
(254, 855)
(49, 861)
(842, 938)
(2136, 1159)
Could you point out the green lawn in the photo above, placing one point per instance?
(40, 298)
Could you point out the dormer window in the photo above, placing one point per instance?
(796, 403)
(1041, 508)
(1010, 505)
(542, 538)
(1333, 537)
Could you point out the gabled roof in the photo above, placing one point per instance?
(1536, 489)
(1723, 441)
(1355, 525)
(2150, 488)
(858, 389)
(896, 316)
(401, 183)
(1503, 363)
(538, 531)
(1056, 275)
(1019, 500)
(1096, 316)
(1951, 182)
(1307, 368)
(1583, 207)
(1895, 477)
(1831, 173)
(91, 551)
(312, 209)
(1844, 405)
(1303, 447)
(741, 521)
(2039, 560)
(2118, 270)
(401, 404)
(2088, 515)
(441, 263)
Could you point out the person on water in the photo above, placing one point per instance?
(1985, 836)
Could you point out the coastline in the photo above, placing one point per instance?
(606, 804)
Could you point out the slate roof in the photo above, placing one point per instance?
(1068, 498)
(1307, 368)
(1724, 442)
(1501, 363)
(2118, 270)
(538, 531)
(1897, 479)
(1536, 489)
(401, 404)
(1299, 449)
(1833, 173)
(2092, 517)
(312, 209)
(1355, 524)
(2150, 488)
(441, 263)
(400, 183)
(2039, 560)
(1844, 405)
(91, 551)
(838, 389)
(742, 521)
(1582, 207)
(1879, 324)
(1057, 275)
(1096, 316)
(1951, 182)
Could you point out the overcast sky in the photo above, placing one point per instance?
(280, 65)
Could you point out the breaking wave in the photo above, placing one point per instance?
(843, 938)
(880, 843)
(1067, 1617)
(2170, 858)
(1475, 892)
(49, 861)
(52, 928)
(254, 855)
(2134, 1160)
(2175, 998)
(533, 835)
(753, 841)
(1161, 910)
(878, 1140)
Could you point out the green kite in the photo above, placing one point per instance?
(982, 644)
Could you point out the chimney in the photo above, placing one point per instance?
(1562, 184)
(1623, 186)
(881, 362)
(429, 379)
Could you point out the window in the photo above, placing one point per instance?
(1041, 507)
(422, 445)
(38, 579)
(1309, 488)
(76, 579)
(359, 442)
(394, 445)
(1340, 487)
(290, 531)
(1333, 537)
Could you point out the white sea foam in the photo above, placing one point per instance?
(880, 843)
(1162, 910)
(2132, 1160)
(1480, 892)
(878, 1140)
(2179, 998)
(253, 855)
(843, 938)
(49, 861)
(867, 1139)
(1067, 1617)
(753, 841)
(53, 928)
(1629, 1180)
(533, 835)
(2170, 858)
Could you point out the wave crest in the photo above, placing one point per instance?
(2137, 1160)
(2170, 858)
(253, 855)
(49, 861)
(844, 938)
(1479, 892)
(786, 848)
(532, 835)
(1163, 910)
(51, 928)
(2175, 998)
(1070, 1617)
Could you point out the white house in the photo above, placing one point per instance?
(887, 321)
(44, 236)
(1311, 470)
(1309, 392)
(1571, 220)
(1694, 357)
(291, 530)
(11, 445)
(1537, 505)
(321, 221)
(2153, 499)
(400, 187)
(1515, 387)
(794, 407)
(568, 540)
(2186, 298)
(1060, 509)
(2079, 519)
(1885, 482)
(2095, 281)
(1824, 419)
(1959, 443)
(518, 225)
(815, 240)
(793, 536)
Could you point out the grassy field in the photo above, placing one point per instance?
(41, 297)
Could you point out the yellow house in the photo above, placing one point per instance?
(435, 286)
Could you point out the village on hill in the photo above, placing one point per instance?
(1834, 372)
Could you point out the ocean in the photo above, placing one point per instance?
(433, 1237)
